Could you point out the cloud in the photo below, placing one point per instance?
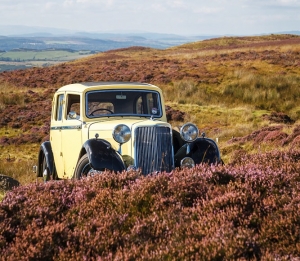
(171, 16)
(67, 3)
(289, 2)
(275, 4)
(50, 5)
(207, 10)
(177, 4)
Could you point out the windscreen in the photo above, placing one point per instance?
(109, 103)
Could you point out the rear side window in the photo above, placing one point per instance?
(59, 107)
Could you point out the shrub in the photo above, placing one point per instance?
(244, 211)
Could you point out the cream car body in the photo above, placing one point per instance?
(116, 126)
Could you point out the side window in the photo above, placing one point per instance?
(73, 104)
(59, 107)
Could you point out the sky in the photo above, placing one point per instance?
(182, 17)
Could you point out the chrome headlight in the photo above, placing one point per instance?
(187, 162)
(121, 133)
(189, 132)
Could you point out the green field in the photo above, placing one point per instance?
(23, 58)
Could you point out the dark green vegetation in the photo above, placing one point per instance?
(25, 58)
(10, 67)
(23, 55)
(247, 210)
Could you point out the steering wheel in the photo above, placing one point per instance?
(101, 109)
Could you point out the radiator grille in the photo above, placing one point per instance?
(154, 150)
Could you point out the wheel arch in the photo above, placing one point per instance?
(83, 151)
(202, 150)
(102, 156)
(45, 152)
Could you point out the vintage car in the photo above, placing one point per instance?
(117, 126)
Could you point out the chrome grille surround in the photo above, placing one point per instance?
(154, 149)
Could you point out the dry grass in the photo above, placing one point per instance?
(274, 92)
(10, 95)
(223, 123)
(19, 170)
(18, 161)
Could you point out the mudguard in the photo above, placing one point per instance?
(102, 156)
(45, 151)
(178, 142)
(202, 150)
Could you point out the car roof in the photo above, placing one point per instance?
(87, 86)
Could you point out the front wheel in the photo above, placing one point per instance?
(83, 167)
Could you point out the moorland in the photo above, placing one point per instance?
(241, 91)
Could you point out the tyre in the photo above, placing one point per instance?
(83, 167)
(45, 170)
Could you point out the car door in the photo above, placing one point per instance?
(71, 134)
(56, 132)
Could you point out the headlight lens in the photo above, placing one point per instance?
(189, 132)
(187, 162)
(121, 133)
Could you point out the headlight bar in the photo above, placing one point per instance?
(189, 133)
(121, 134)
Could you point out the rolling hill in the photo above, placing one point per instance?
(231, 87)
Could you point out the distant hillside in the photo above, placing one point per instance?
(93, 41)
(72, 42)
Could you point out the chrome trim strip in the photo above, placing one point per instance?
(66, 127)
